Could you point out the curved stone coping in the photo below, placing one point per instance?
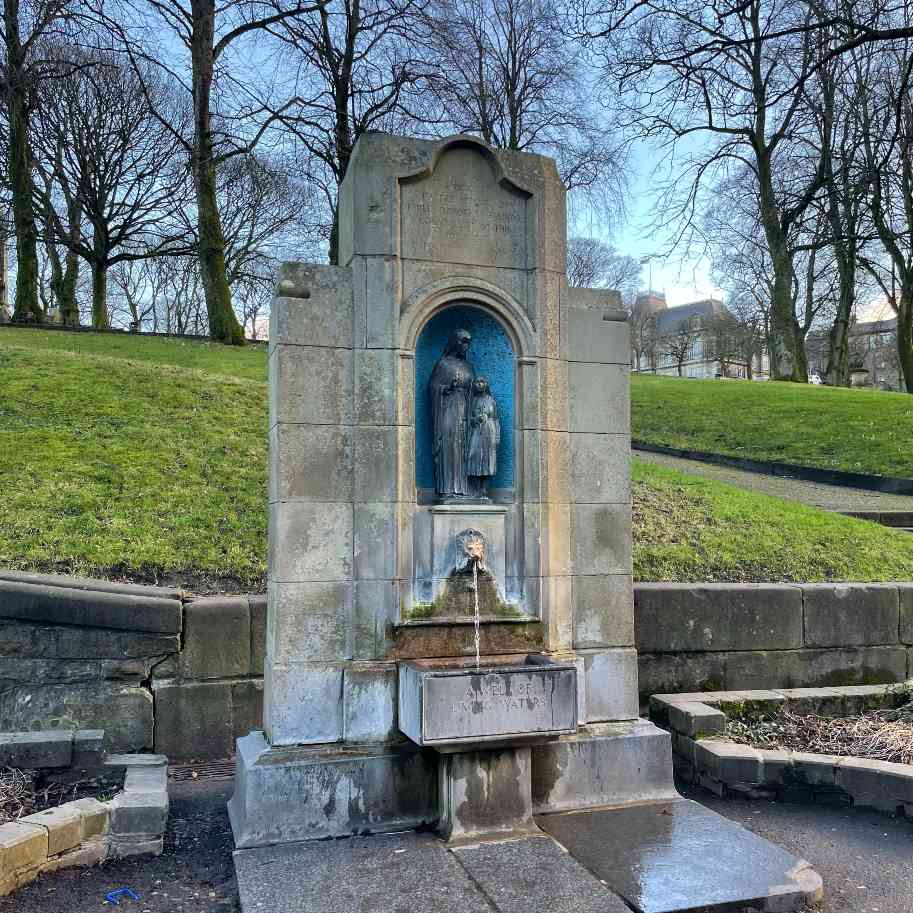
(703, 756)
(87, 832)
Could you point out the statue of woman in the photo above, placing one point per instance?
(484, 438)
(450, 390)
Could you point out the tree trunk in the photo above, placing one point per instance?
(223, 324)
(905, 335)
(100, 294)
(26, 306)
(838, 359)
(787, 348)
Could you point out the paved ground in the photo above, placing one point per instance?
(828, 497)
(865, 858)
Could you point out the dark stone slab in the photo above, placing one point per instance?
(408, 873)
(536, 874)
(672, 857)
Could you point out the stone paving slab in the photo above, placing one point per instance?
(408, 873)
(519, 876)
(674, 857)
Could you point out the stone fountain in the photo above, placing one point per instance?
(450, 637)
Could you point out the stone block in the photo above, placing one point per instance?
(309, 542)
(98, 643)
(310, 385)
(246, 707)
(822, 701)
(814, 769)
(693, 718)
(369, 696)
(600, 539)
(311, 463)
(867, 782)
(859, 699)
(257, 605)
(123, 847)
(376, 527)
(845, 615)
(23, 848)
(63, 825)
(751, 670)
(668, 673)
(216, 638)
(93, 817)
(92, 852)
(598, 398)
(552, 393)
(381, 293)
(603, 764)
(376, 388)
(144, 778)
(729, 762)
(600, 468)
(676, 617)
(193, 720)
(309, 622)
(88, 747)
(778, 766)
(140, 609)
(51, 748)
(304, 704)
(905, 592)
(123, 711)
(603, 608)
(136, 814)
(594, 333)
(611, 685)
(313, 306)
(683, 748)
(376, 463)
(375, 612)
(531, 415)
(289, 794)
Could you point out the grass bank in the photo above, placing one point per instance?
(828, 427)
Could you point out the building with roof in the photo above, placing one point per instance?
(873, 346)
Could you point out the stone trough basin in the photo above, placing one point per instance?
(451, 705)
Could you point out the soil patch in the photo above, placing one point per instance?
(880, 735)
(195, 874)
(24, 792)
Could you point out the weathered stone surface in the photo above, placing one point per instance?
(145, 778)
(304, 704)
(310, 542)
(600, 539)
(287, 794)
(123, 711)
(136, 813)
(846, 615)
(376, 528)
(310, 385)
(146, 610)
(193, 719)
(257, 606)
(375, 463)
(313, 306)
(600, 468)
(670, 673)
(598, 398)
(604, 764)
(23, 847)
(246, 707)
(729, 762)
(92, 852)
(485, 794)
(710, 617)
(694, 718)
(216, 638)
(93, 817)
(370, 702)
(376, 378)
(309, 622)
(590, 333)
(63, 825)
(905, 592)
(603, 609)
(28, 750)
(611, 685)
(420, 641)
(312, 462)
(79, 644)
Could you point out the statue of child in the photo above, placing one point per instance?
(484, 438)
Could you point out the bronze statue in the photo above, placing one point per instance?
(484, 438)
(450, 390)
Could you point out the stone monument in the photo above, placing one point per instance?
(450, 637)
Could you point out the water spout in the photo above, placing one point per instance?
(475, 596)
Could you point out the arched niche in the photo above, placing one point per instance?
(492, 354)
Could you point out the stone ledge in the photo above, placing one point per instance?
(729, 767)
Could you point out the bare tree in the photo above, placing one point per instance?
(113, 164)
(644, 340)
(678, 344)
(508, 72)
(592, 263)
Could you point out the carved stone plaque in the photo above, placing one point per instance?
(462, 214)
(448, 703)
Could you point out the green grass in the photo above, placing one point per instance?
(144, 467)
(688, 528)
(827, 427)
(145, 459)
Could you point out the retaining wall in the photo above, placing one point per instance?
(159, 670)
(736, 637)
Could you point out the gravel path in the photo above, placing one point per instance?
(827, 497)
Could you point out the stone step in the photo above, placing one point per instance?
(673, 857)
